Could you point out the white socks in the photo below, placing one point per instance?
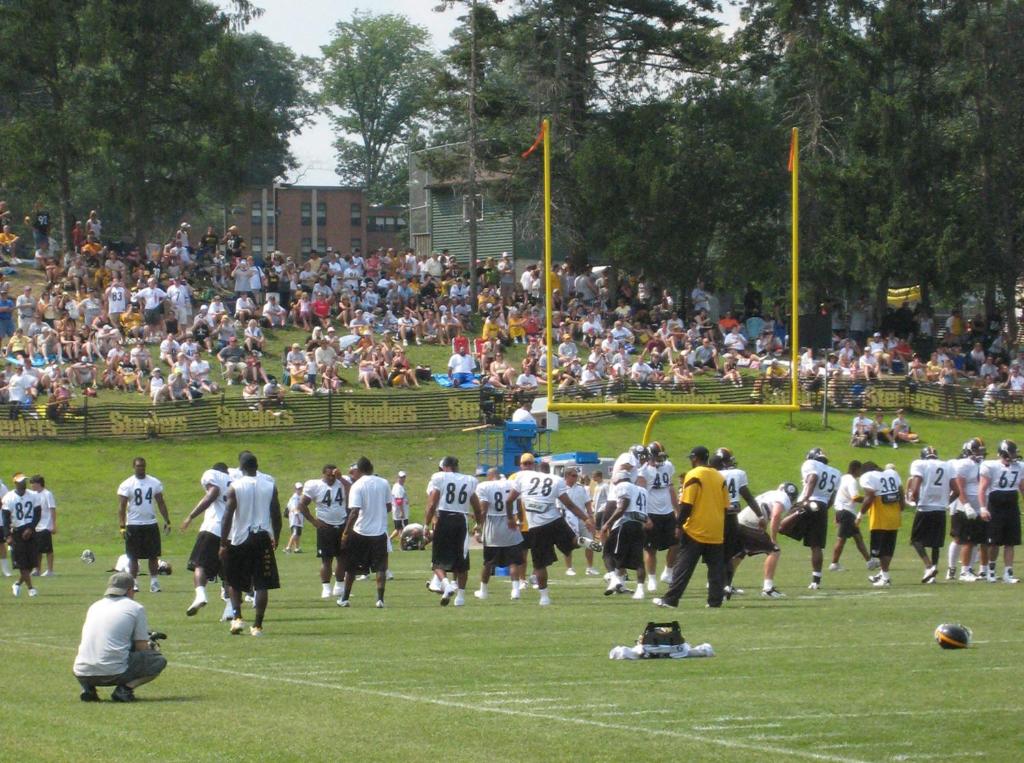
(201, 593)
(769, 584)
(953, 555)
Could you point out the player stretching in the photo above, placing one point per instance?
(820, 483)
(205, 558)
(738, 486)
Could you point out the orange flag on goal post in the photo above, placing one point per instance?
(540, 139)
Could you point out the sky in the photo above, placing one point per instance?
(305, 25)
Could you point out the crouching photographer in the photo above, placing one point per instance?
(117, 647)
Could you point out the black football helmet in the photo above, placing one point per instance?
(929, 452)
(791, 491)
(1008, 449)
(816, 454)
(640, 453)
(715, 462)
(953, 636)
(728, 459)
(973, 448)
(657, 452)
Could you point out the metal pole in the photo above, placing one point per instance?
(824, 397)
(472, 156)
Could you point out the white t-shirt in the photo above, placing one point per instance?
(151, 298)
(461, 364)
(141, 495)
(827, 483)
(579, 496)
(331, 505)
(1001, 478)
(214, 514)
(455, 490)
(295, 518)
(48, 503)
(253, 496)
(767, 500)
(659, 487)
(970, 471)
(936, 476)
(539, 493)
(372, 496)
(18, 387)
(848, 490)
(111, 626)
(22, 507)
(522, 416)
(399, 501)
(735, 480)
(600, 495)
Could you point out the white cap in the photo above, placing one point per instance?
(298, 485)
(402, 474)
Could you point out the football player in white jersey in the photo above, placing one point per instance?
(738, 487)
(847, 497)
(663, 512)
(329, 495)
(5, 564)
(820, 483)
(540, 495)
(636, 456)
(47, 524)
(250, 530)
(136, 514)
(365, 538)
(578, 495)
(998, 489)
(759, 531)
(451, 496)
(205, 558)
(967, 528)
(624, 532)
(501, 538)
(20, 512)
(929, 488)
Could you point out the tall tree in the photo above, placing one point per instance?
(376, 75)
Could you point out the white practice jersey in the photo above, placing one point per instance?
(22, 508)
(253, 496)
(214, 514)
(849, 490)
(828, 480)
(659, 488)
(455, 490)
(372, 496)
(636, 510)
(48, 503)
(936, 478)
(141, 495)
(330, 500)
(539, 494)
(1002, 478)
(493, 496)
(735, 480)
(767, 501)
(626, 458)
(970, 471)
(886, 484)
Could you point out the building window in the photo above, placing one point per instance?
(272, 215)
(307, 246)
(257, 245)
(355, 245)
(321, 213)
(356, 215)
(321, 245)
(400, 222)
(306, 213)
(257, 213)
(270, 244)
(479, 208)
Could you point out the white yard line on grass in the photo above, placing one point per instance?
(517, 713)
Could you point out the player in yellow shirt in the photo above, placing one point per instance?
(702, 506)
(883, 498)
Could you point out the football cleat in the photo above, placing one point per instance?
(154, 586)
(593, 545)
(733, 591)
(570, 572)
(882, 583)
(967, 576)
(379, 604)
(953, 636)
(434, 585)
(459, 600)
(651, 583)
(343, 602)
(33, 592)
(929, 575)
(1008, 578)
(480, 594)
(950, 573)
(16, 589)
(237, 626)
(773, 593)
(338, 589)
(591, 572)
(196, 605)
(875, 578)
(662, 603)
(638, 593)
(835, 567)
(256, 631)
(814, 586)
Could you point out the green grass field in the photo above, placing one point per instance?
(848, 673)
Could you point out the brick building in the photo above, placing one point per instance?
(297, 219)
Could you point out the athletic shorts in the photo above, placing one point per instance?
(1004, 526)
(142, 541)
(24, 555)
(366, 553)
(816, 527)
(450, 549)
(731, 544)
(663, 534)
(154, 316)
(400, 524)
(883, 542)
(846, 522)
(251, 566)
(328, 542)
(206, 554)
(755, 542)
(625, 547)
(544, 540)
(968, 530)
(504, 556)
(44, 542)
(599, 516)
(929, 529)
(297, 531)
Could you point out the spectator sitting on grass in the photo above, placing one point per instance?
(232, 358)
(460, 367)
